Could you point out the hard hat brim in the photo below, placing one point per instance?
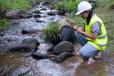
(77, 13)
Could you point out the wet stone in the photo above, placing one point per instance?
(21, 71)
(30, 31)
(39, 20)
(38, 56)
(37, 12)
(45, 3)
(19, 48)
(24, 16)
(62, 51)
(2, 33)
(44, 9)
(51, 13)
(15, 23)
(63, 46)
(32, 43)
(61, 57)
(62, 12)
(37, 16)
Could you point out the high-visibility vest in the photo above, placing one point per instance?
(101, 40)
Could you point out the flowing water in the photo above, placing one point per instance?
(20, 64)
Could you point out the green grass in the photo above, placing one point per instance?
(14, 4)
(69, 5)
(51, 33)
(4, 24)
(6, 5)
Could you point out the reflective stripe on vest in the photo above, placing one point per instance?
(101, 45)
(101, 40)
(100, 37)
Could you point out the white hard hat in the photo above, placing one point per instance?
(83, 6)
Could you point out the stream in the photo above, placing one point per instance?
(20, 64)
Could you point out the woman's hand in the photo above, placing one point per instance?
(80, 30)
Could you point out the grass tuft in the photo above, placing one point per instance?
(51, 33)
(3, 24)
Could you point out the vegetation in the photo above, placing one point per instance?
(3, 24)
(107, 16)
(69, 5)
(14, 4)
(6, 5)
(51, 33)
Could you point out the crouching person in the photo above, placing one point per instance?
(93, 37)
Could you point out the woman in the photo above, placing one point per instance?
(93, 36)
